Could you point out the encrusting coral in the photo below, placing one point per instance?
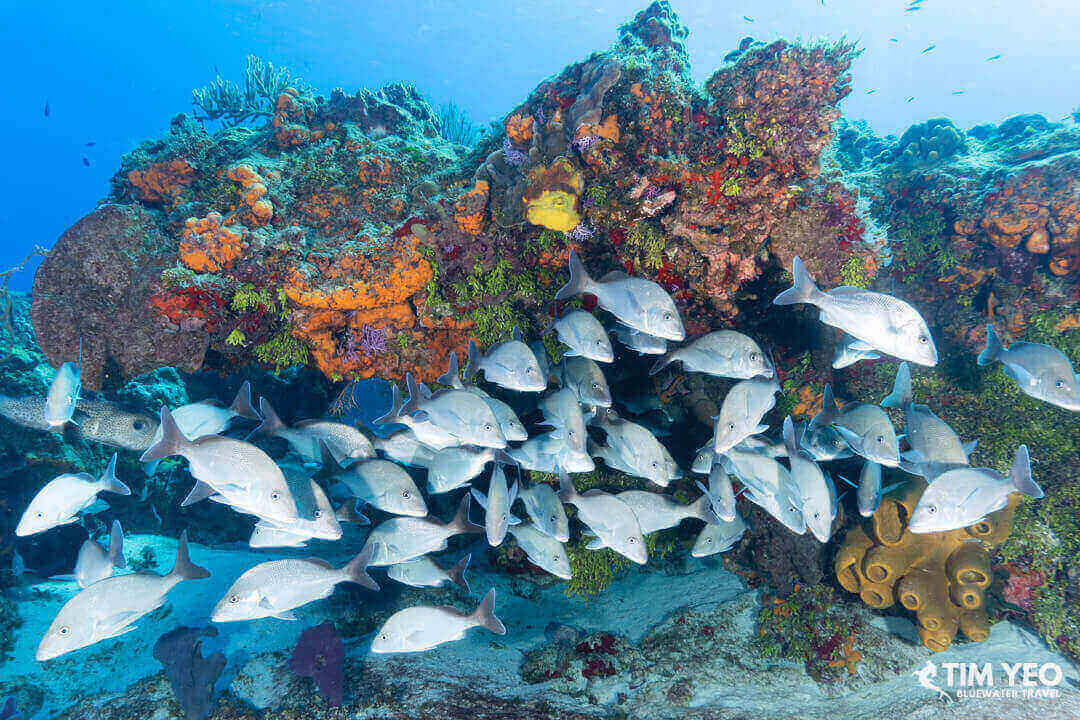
(941, 577)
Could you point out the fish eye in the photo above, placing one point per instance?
(596, 386)
(234, 599)
(529, 370)
(880, 439)
(40, 515)
(631, 540)
(552, 518)
(63, 630)
(931, 509)
(923, 339)
(275, 495)
(655, 464)
(837, 442)
(708, 540)
(667, 316)
(731, 426)
(384, 636)
(599, 342)
(318, 514)
(1060, 383)
(487, 427)
(138, 425)
(406, 494)
(571, 432)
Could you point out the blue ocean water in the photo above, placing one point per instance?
(477, 612)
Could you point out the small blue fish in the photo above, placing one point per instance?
(957, 92)
(929, 49)
(872, 92)
(992, 58)
(747, 18)
(894, 40)
(909, 99)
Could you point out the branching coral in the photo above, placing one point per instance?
(226, 101)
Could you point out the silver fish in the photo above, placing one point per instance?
(424, 431)
(609, 518)
(460, 413)
(421, 628)
(719, 493)
(640, 342)
(276, 588)
(453, 468)
(769, 485)
(723, 353)
(547, 453)
(425, 572)
(64, 497)
(386, 486)
(632, 449)
(403, 447)
(497, 504)
(544, 509)
(962, 497)
(868, 493)
(232, 471)
(64, 392)
(562, 412)
(401, 539)
(818, 494)
(94, 562)
(509, 424)
(585, 379)
(510, 364)
(322, 525)
(851, 350)
(866, 429)
(1041, 371)
(109, 608)
(742, 410)
(345, 441)
(207, 417)
(543, 360)
(659, 512)
(542, 550)
(935, 447)
(718, 538)
(883, 322)
(823, 443)
(638, 303)
(583, 333)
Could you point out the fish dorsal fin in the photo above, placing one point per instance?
(320, 563)
(307, 423)
(614, 276)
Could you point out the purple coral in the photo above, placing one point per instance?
(511, 154)
(191, 675)
(585, 142)
(580, 233)
(372, 340)
(320, 654)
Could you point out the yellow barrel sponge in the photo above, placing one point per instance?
(941, 577)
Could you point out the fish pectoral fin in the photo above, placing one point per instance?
(98, 506)
(595, 544)
(285, 615)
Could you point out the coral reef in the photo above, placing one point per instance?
(941, 577)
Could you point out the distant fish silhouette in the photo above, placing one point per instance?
(909, 99)
(86, 161)
(46, 108)
(747, 18)
(92, 143)
(957, 92)
(992, 58)
(928, 49)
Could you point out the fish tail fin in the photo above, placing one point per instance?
(450, 377)
(460, 523)
(172, 441)
(1020, 474)
(457, 573)
(322, 503)
(472, 366)
(803, 290)
(416, 395)
(790, 443)
(567, 491)
(329, 467)
(828, 410)
(271, 423)
(241, 404)
(198, 493)
(485, 614)
(356, 570)
(702, 509)
(900, 396)
(662, 362)
(579, 279)
(116, 546)
(994, 348)
(183, 568)
(110, 483)
(347, 514)
(395, 407)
